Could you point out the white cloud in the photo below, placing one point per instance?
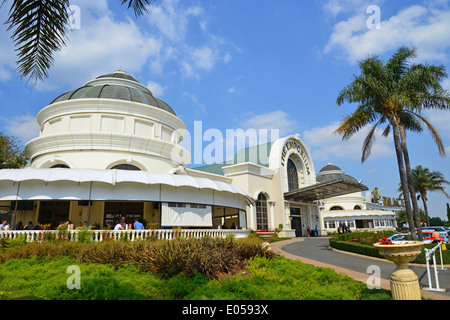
(171, 20)
(336, 7)
(24, 127)
(325, 145)
(200, 106)
(425, 27)
(101, 45)
(273, 120)
(156, 89)
(105, 43)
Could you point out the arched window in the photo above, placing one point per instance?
(60, 166)
(126, 167)
(292, 176)
(336, 208)
(357, 207)
(261, 213)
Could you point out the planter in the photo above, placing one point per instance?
(265, 235)
(404, 282)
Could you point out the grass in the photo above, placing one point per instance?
(264, 278)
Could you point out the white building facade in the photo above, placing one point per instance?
(351, 210)
(110, 150)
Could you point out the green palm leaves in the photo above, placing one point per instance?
(428, 181)
(40, 29)
(394, 95)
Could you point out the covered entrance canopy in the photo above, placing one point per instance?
(324, 190)
(90, 184)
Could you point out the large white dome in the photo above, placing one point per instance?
(111, 120)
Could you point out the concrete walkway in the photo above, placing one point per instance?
(290, 249)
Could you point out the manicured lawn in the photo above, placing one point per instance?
(264, 279)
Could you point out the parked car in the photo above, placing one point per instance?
(441, 230)
(428, 237)
(448, 231)
(400, 237)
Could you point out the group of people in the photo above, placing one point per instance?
(122, 226)
(70, 225)
(19, 226)
(312, 233)
(343, 228)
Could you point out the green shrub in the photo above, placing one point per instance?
(211, 257)
(365, 247)
(368, 250)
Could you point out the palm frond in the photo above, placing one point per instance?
(39, 30)
(410, 122)
(368, 143)
(386, 131)
(139, 6)
(434, 133)
(398, 64)
(355, 122)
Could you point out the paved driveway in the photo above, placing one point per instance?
(316, 251)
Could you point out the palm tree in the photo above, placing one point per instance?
(426, 180)
(394, 94)
(40, 28)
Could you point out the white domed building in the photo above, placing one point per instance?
(350, 209)
(111, 150)
(108, 150)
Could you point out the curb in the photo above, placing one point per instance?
(277, 248)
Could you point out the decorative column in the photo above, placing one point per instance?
(252, 217)
(271, 214)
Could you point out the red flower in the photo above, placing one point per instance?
(385, 240)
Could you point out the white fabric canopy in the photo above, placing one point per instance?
(59, 183)
(185, 216)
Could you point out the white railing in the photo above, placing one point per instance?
(129, 235)
(431, 253)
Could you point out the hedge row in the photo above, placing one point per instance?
(342, 242)
(355, 247)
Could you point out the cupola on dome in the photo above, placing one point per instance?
(118, 86)
(332, 173)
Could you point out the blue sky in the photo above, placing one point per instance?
(248, 64)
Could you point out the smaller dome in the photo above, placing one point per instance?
(333, 173)
(330, 167)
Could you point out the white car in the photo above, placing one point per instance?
(400, 237)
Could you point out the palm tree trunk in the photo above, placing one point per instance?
(410, 182)
(404, 181)
(425, 207)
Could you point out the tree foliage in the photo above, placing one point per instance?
(39, 29)
(394, 95)
(12, 156)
